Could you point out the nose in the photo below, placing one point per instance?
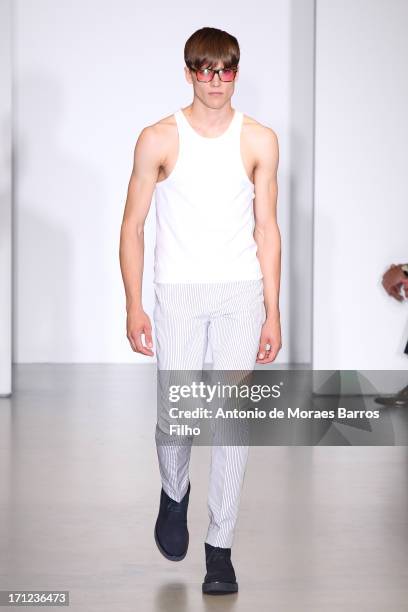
(216, 79)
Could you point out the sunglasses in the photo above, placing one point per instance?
(205, 75)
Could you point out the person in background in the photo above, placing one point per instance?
(395, 282)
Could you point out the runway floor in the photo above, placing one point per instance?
(320, 529)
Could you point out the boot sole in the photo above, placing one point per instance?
(166, 554)
(391, 402)
(219, 588)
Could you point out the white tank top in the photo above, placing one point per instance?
(204, 211)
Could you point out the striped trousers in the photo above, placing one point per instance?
(228, 315)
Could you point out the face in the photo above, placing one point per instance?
(215, 93)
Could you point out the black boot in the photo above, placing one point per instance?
(399, 399)
(220, 578)
(171, 532)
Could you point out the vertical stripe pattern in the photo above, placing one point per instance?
(188, 316)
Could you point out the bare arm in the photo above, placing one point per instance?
(146, 165)
(267, 237)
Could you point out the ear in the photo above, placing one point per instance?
(188, 76)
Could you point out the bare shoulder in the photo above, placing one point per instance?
(155, 138)
(161, 128)
(262, 141)
(259, 133)
(155, 133)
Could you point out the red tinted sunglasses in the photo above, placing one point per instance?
(205, 75)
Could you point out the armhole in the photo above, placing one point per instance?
(241, 161)
(177, 163)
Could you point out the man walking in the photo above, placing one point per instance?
(216, 273)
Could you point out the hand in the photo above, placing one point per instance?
(138, 323)
(271, 335)
(393, 280)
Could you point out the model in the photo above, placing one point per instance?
(216, 272)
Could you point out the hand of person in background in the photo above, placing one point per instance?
(392, 281)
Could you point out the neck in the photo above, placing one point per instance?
(212, 120)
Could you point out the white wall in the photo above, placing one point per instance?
(89, 76)
(5, 199)
(361, 183)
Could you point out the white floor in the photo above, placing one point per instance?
(321, 529)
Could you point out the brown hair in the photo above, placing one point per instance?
(207, 46)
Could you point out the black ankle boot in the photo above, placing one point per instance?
(220, 578)
(171, 532)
